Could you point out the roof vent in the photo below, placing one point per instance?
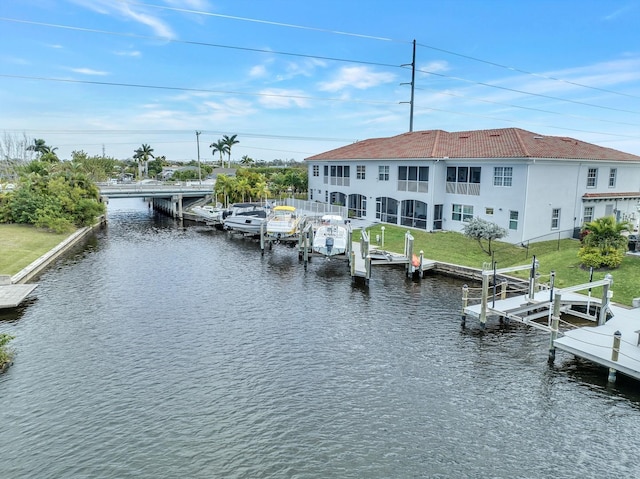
(463, 136)
(538, 137)
(494, 134)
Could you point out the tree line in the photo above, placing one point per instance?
(61, 195)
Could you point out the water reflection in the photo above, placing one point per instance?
(170, 352)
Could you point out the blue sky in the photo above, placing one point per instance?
(295, 78)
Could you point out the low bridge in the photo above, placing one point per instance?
(168, 197)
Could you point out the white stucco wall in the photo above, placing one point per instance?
(538, 187)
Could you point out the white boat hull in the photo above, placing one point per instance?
(283, 223)
(248, 225)
(247, 218)
(330, 240)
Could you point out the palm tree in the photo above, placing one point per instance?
(245, 160)
(142, 154)
(606, 233)
(45, 152)
(229, 141)
(219, 147)
(225, 186)
(39, 146)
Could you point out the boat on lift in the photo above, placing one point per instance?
(246, 218)
(209, 213)
(331, 237)
(283, 223)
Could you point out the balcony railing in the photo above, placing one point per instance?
(463, 188)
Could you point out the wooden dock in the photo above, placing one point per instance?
(613, 341)
(615, 344)
(362, 264)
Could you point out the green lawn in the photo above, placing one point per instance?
(559, 256)
(20, 245)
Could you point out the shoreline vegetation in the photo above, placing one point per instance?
(23, 244)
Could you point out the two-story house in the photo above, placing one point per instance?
(537, 187)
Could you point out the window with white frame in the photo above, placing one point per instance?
(613, 172)
(502, 176)
(513, 220)
(488, 211)
(463, 180)
(360, 172)
(413, 178)
(340, 175)
(383, 173)
(555, 218)
(587, 214)
(316, 170)
(461, 212)
(592, 177)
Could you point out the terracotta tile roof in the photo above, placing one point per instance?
(630, 194)
(499, 143)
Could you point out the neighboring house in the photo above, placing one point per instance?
(537, 187)
(222, 171)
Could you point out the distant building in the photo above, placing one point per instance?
(537, 187)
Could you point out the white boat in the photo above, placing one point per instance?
(330, 238)
(245, 218)
(282, 223)
(211, 214)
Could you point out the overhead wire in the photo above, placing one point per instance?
(318, 57)
(371, 63)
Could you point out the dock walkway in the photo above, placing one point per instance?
(596, 343)
(613, 343)
(12, 295)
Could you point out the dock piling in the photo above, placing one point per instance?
(465, 302)
(615, 351)
(555, 325)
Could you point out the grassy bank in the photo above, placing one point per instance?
(560, 256)
(23, 244)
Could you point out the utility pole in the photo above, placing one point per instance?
(199, 170)
(413, 85)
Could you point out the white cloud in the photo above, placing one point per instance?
(617, 13)
(360, 77)
(16, 60)
(190, 4)
(130, 12)
(258, 71)
(88, 71)
(434, 67)
(276, 98)
(128, 53)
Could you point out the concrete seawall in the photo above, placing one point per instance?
(44, 261)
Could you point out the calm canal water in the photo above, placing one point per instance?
(156, 351)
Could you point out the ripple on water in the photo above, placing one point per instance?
(166, 352)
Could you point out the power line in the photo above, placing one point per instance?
(266, 22)
(373, 37)
(82, 29)
(319, 57)
(519, 70)
(195, 90)
(539, 95)
(482, 100)
(190, 42)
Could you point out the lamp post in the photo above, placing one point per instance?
(199, 170)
